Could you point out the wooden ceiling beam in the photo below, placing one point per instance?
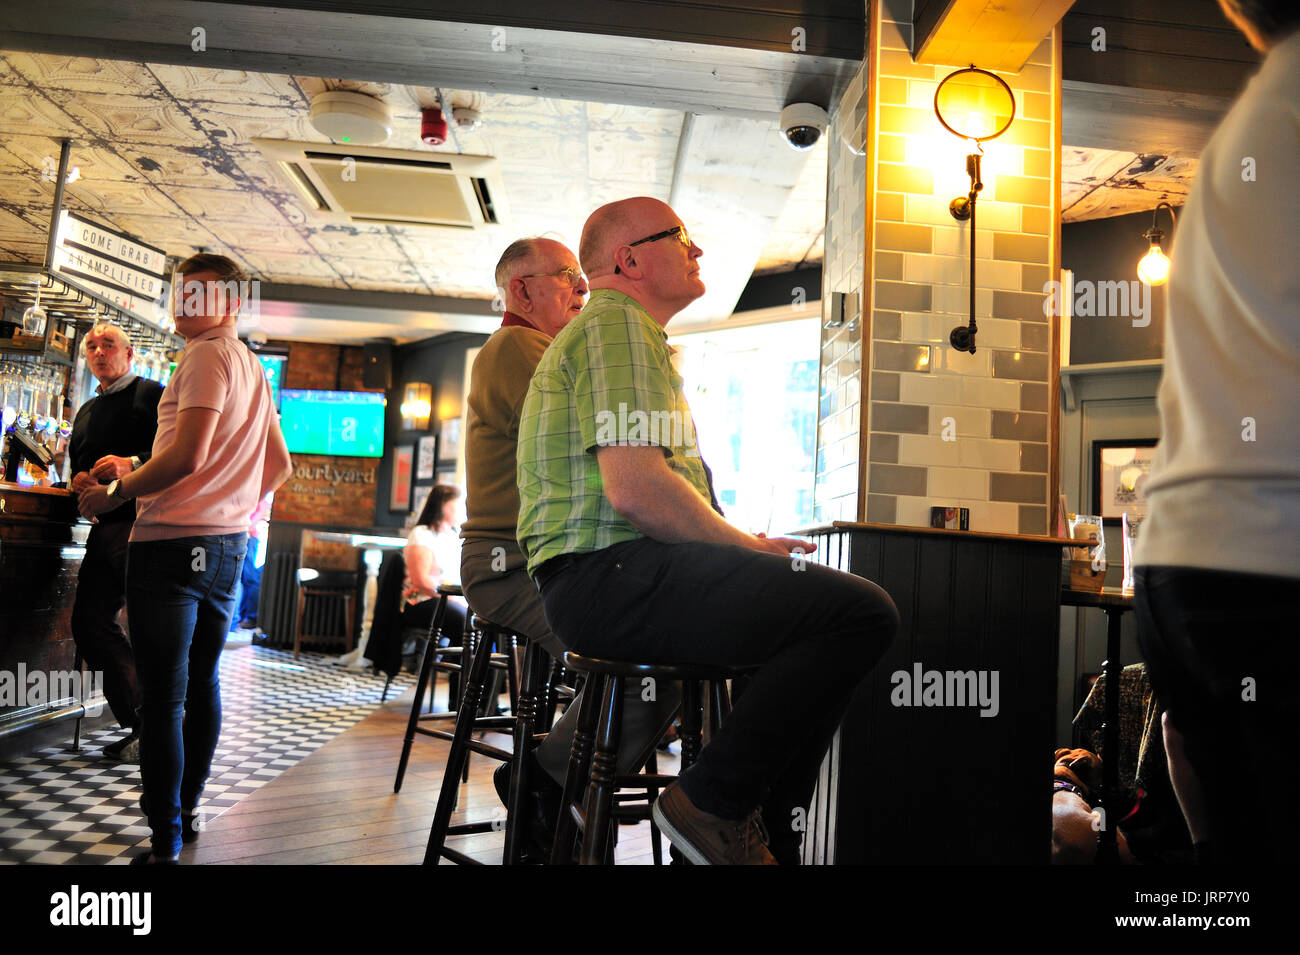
(992, 34)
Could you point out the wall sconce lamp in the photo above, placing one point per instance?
(976, 106)
(1153, 268)
(417, 405)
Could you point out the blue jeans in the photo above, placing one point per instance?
(180, 595)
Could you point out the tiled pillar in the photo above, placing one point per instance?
(836, 490)
(945, 427)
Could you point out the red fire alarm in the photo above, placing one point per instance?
(433, 126)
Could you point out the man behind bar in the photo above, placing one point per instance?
(543, 289)
(635, 563)
(1218, 557)
(111, 437)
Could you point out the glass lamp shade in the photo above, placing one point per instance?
(34, 320)
(974, 104)
(1153, 268)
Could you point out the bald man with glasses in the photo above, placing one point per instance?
(635, 562)
(112, 436)
(544, 289)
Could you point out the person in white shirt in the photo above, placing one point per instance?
(432, 555)
(1218, 556)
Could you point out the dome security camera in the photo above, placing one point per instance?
(803, 124)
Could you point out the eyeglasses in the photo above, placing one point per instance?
(678, 230)
(567, 274)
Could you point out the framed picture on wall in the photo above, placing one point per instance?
(1119, 473)
(399, 489)
(425, 457)
(447, 476)
(450, 442)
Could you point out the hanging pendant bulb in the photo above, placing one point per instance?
(1153, 268)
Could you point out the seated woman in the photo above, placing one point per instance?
(432, 557)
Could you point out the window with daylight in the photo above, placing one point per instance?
(753, 392)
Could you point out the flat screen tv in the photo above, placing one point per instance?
(346, 423)
(273, 366)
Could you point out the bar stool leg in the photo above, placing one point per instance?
(459, 753)
(575, 778)
(604, 766)
(426, 667)
(525, 726)
(692, 711)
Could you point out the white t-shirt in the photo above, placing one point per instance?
(1224, 489)
(445, 545)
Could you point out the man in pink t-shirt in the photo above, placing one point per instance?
(218, 451)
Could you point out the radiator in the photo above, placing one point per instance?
(279, 599)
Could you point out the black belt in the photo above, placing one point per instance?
(553, 568)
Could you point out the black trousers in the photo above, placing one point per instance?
(813, 633)
(101, 595)
(1224, 660)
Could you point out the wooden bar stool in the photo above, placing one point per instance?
(468, 721)
(430, 666)
(593, 761)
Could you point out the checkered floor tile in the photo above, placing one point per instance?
(58, 806)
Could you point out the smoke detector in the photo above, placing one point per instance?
(347, 117)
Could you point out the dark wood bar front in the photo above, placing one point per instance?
(42, 541)
(923, 774)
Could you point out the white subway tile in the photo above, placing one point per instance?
(997, 332)
(994, 517)
(989, 453)
(931, 210)
(920, 93)
(938, 269)
(947, 360)
(969, 422)
(914, 511)
(995, 274)
(927, 389)
(990, 392)
(958, 483)
(928, 450)
(998, 216)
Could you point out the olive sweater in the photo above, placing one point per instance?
(498, 384)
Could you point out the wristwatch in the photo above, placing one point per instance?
(113, 487)
(135, 462)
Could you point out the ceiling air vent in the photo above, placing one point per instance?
(365, 184)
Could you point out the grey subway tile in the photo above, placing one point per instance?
(882, 509)
(895, 479)
(883, 448)
(1025, 366)
(1018, 426)
(903, 419)
(1018, 488)
(884, 386)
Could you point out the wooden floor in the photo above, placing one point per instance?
(337, 806)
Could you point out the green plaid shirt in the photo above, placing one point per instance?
(606, 379)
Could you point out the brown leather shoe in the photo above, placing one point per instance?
(710, 840)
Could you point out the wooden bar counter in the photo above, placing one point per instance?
(42, 542)
(943, 784)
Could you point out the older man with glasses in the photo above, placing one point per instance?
(543, 289)
(624, 537)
